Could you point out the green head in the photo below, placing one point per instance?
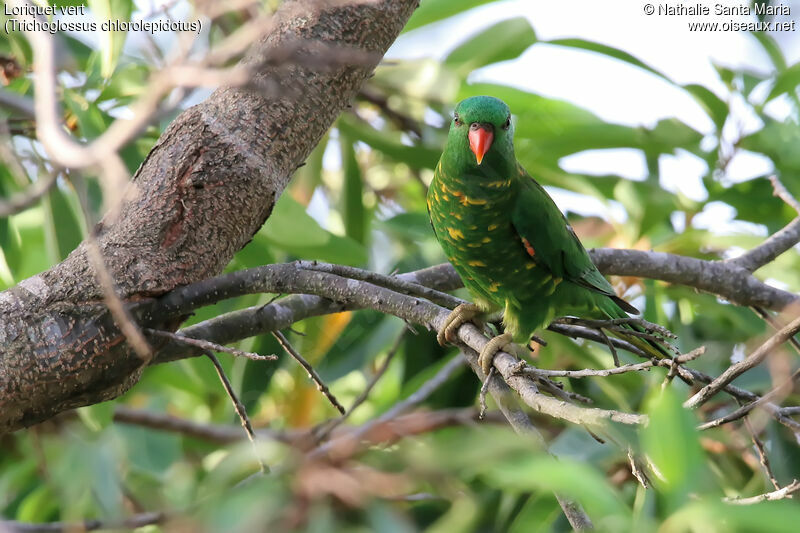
(482, 125)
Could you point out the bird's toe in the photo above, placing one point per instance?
(496, 344)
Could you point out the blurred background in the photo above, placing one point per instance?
(648, 135)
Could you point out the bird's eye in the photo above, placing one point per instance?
(457, 120)
(507, 123)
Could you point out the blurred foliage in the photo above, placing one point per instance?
(359, 200)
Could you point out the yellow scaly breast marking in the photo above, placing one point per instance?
(499, 184)
(466, 200)
(476, 263)
(494, 286)
(457, 216)
(486, 240)
(456, 234)
(492, 227)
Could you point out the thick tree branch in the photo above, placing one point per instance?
(722, 278)
(203, 191)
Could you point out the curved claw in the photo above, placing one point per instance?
(458, 316)
(495, 344)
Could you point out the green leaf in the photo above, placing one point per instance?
(422, 79)
(91, 120)
(414, 226)
(712, 515)
(716, 108)
(434, 10)
(772, 49)
(389, 144)
(290, 228)
(672, 443)
(63, 230)
(38, 506)
(570, 478)
(610, 51)
(785, 82)
(779, 141)
(111, 42)
(500, 42)
(352, 192)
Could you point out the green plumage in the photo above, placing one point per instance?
(506, 238)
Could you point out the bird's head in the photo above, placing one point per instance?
(482, 124)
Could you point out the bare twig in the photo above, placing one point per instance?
(312, 374)
(239, 407)
(780, 190)
(743, 410)
(771, 248)
(785, 492)
(605, 372)
(133, 334)
(673, 371)
(735, 370)
(16, 102)
(208, 345)
(346, 444)
(215, 433)
(396, 283)
(763, 458)
(484, 390)
(777, 243)
(402, 121)
(28, 197)
(333, 424)
(133, 522)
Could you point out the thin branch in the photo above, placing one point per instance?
(777, 243)
(605, 372)
(396, 283)
(29, 196)
(508, 366)
(119, 311)
(735, 370)
(785, 492)
(215, 433)
(780, 190)
(766, 252)
(346, 444)
(763, 458)
(288, 278)
(484, 391)
(312, 374)
(402, 121)
(208, 345)
(14, 101)
(333, 424)
(336, 295)
(239, 407)
(743, 410)
(133, 522)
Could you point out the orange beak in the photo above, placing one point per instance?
(480, 139)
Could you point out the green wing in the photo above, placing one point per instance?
(545, 233)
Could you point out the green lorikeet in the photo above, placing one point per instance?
(507, 239)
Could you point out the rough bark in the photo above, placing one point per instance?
(203, 191)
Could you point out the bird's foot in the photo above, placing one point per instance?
(457, 317)
(504, 342)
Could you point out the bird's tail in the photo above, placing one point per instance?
(649, 338)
